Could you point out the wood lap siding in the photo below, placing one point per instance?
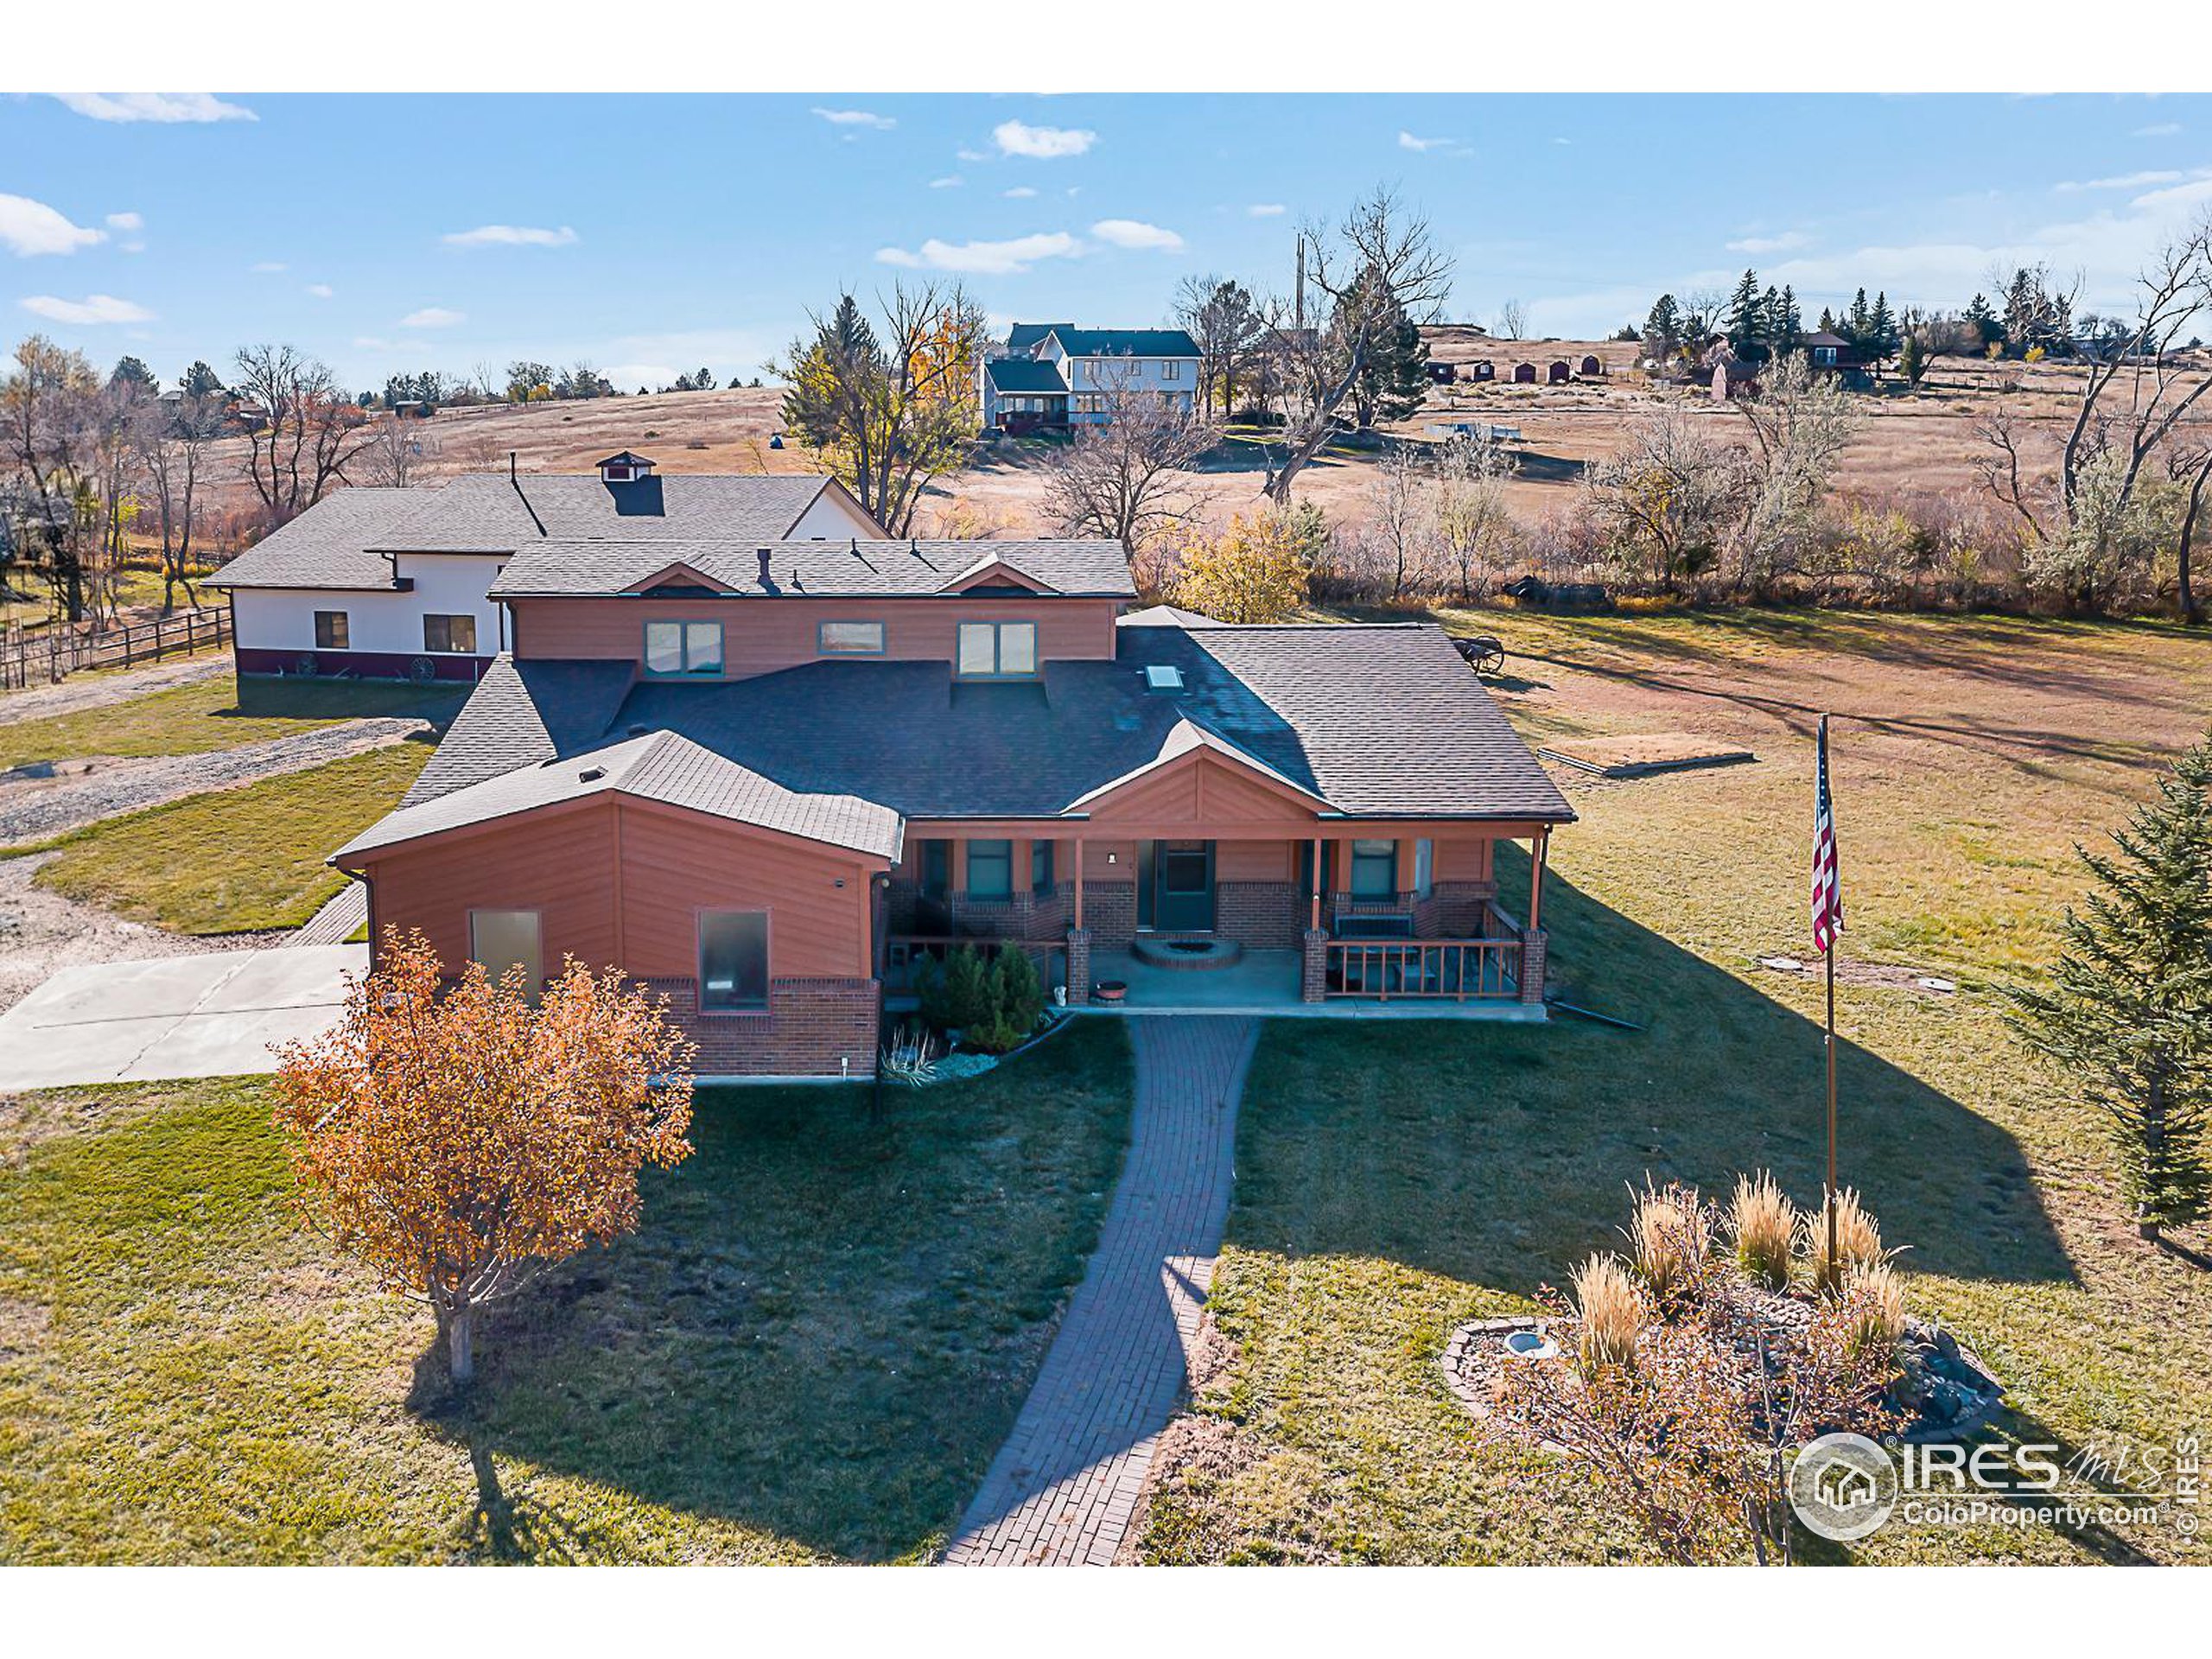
(673, 865)
(762, 635)
(676, 865)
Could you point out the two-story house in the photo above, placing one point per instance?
(767, 777)
(1055, 375)
(392, 583)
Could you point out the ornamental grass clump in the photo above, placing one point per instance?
(1610, 1313)
(1873, 1306)
(1857, 1243)
(1763, 1229)
(1669, 1234)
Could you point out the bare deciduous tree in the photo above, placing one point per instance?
(399, 452)
(1380, 267)
(172, 444)
(1800, 422)
(1400, 520)
(305, 431)
(1231, 329)
(1513, 321)
(1128, 476)
(1471, 520)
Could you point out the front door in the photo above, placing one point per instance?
(1182, 878)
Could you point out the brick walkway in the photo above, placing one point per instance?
(1062, 1490)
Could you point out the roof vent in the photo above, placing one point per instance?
(1159, 677)
(764, 564)
(637, 731)
(591, 774)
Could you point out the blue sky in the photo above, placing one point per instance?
(653, 235)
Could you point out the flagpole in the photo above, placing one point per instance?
(1830, 955)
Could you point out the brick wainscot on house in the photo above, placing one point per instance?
(768, 777)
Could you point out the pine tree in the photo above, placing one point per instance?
(1858, 324)
(1746, 319)
(1786, 326)
(1912, 360)
(1827, 320)
(1983, 320)
(1662, 329)
(2129, 1009)
(1882, 332)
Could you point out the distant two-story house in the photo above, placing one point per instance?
(1055, 375)
(395, 583)
(768, 777)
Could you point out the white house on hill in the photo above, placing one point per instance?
(1053, 374)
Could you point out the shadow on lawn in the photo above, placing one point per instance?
(1501, 1154)
(823, 1329)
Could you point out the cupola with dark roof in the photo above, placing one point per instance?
(624, 468)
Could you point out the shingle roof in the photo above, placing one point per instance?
(521, 713)
(490, 513)
(1127, 342)
(822, 570)
(658, 767)
(1379, 720)
(1022, 374)
(1027, 336)
(326, 546)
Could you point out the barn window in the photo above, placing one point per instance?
(450, 635)
(330, 631)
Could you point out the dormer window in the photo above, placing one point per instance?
(998, 651)
(624, 468)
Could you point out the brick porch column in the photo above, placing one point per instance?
(1532, 964)
(1314, 984)
(1078, 967)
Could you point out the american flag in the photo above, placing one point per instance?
(1828, 892)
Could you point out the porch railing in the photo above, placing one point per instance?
(1456, 970)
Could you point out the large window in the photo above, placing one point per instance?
(504, 940)
(1374, 870)
(1171, 369)
(990, 869)
(451, 635)
(849, 639)
(330, 631)
(998, 649)
(733, 960)
(683, 648)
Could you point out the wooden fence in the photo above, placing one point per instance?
(49, 653)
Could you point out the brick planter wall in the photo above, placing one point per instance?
(813, 1029)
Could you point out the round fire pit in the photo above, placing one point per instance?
(1108, 990)
(1187, 954)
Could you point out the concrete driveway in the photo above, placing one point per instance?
(201, 1016)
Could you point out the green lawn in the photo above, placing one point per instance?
(237, 860)
(216, 714)
(1395, 1181)
(810, 1351)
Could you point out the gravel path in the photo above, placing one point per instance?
(104, 690)
(41, 932)
(32, 808)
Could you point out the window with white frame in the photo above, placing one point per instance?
(675, 648)
(331, 632)
(1171, 369)
(998, 649)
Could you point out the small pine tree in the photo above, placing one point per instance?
(2129, 1008)
(1912, 360)
(956, 996)
(1016, 995)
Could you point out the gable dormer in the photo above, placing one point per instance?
(628, 467)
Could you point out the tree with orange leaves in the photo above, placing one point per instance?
(460, 1139)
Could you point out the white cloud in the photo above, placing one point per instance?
(1408, 140)
(432, 316)
(984, 259)
(29, 227)
(2158, 130)
(510, 236)
(1020, 193)
(93, 308)
(1267, 210)
(1135, 233)
(973, 156)
(1043, 144)
(1786, 242)
(2126, 180)
(269, 267)
(166, 107)
(1562, 141)
(126, 221)
(949, 181)
(320, 291)
(867, 119)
